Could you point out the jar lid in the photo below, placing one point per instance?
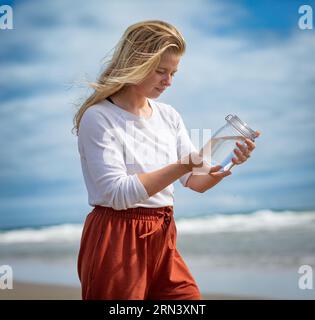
(241, 126)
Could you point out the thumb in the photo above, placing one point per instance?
(215, 168)
(221, 174)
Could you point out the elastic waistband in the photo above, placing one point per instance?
(139, 213)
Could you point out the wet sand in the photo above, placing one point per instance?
(32, 291)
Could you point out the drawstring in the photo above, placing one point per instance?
(164, 217)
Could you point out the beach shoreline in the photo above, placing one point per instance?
(36, 291)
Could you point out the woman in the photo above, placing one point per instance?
(132, 149)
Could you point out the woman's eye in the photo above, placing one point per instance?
(162, 72)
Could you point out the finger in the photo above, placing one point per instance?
(221, 174)
(236, 161)
(257, 134)
(215, 169)
(242, 147)
(251, 144)
(240, 156)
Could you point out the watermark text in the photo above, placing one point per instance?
(306, 278)
(6, 277)
(306, 19)
(6, 17)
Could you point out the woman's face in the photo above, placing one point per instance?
(161, 77)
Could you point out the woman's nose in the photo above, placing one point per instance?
(167, 81)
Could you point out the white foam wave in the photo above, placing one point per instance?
(59, 233)
(257, 221)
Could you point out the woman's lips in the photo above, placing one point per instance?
(160, 90)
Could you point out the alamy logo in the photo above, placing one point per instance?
(6, 277)
(306, 20)
(306, 279)
(6, 17)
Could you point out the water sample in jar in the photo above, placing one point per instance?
(219, 150)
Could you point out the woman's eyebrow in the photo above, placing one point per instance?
(166, 69)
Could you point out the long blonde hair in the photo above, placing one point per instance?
(137, 53)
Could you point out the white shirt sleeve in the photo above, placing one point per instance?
(105, 163)
(184, 146)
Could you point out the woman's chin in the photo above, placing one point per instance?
(154, 95)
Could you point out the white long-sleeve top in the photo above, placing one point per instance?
(114, 145)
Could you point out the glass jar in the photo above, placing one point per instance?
(219, 150)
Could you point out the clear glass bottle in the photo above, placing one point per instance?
(219, 150)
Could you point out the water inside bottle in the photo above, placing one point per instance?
(222, 151)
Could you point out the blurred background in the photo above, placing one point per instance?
(249, 235)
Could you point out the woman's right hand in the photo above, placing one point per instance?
(191, 161)
(208, 177)
(216, 174)
(194, 162)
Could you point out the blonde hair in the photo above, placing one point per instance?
(137, 53)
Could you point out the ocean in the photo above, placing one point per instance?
(255, 254)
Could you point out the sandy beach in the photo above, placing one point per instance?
(32, 291)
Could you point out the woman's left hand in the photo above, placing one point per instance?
(244, 151)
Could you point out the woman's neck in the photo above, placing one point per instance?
(131, 101)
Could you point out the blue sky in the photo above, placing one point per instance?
(243, 57)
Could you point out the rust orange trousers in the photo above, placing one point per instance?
(131, 255)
